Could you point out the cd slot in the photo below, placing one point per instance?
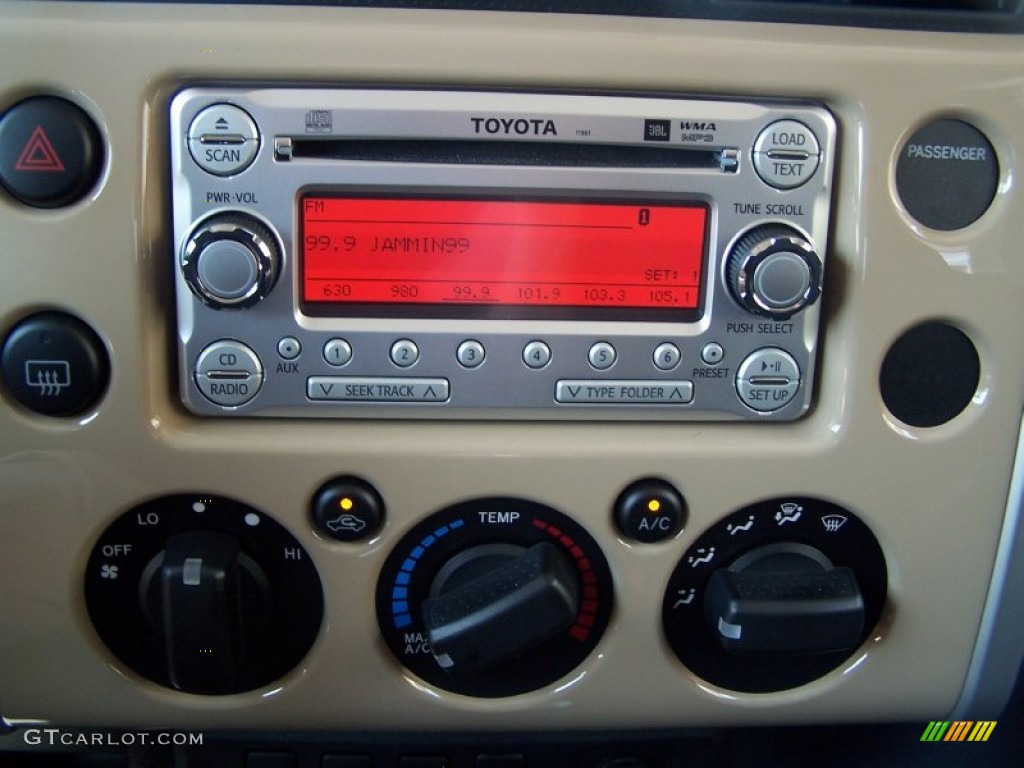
(510, 153)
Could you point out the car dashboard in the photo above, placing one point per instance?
(420, 382)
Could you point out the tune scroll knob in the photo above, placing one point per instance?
(773, 271)
(231, 261)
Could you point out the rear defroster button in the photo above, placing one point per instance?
(55, 364)
(229, 373)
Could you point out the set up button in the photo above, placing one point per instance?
(768, 379)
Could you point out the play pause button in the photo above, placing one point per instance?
(51, 152)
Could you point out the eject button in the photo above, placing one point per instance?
(223, 139)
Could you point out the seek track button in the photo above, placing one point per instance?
(376, 389)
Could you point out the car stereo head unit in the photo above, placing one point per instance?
(366, 252)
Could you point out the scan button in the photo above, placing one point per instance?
(223, 140)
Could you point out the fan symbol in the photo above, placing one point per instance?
(108, 571)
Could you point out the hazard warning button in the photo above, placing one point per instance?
(51, 152)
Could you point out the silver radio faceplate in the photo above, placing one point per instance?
(370, 252)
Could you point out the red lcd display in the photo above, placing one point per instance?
(520, 257)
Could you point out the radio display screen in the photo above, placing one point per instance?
(510, 258)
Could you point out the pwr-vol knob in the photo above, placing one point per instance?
(231, 261)
(774, 271)
(494, 597)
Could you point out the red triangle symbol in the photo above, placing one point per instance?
(39, 154)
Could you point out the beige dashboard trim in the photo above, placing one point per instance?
(935, 498)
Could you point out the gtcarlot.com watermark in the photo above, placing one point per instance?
(57, 737)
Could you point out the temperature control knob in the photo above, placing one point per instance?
(231, 261)
(492, 602)
(494, 597)
(774, 272)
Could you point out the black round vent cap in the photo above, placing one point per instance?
(930, 374)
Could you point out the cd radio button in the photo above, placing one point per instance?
(602, 356)
(405, 353)
(471, 354)
(229, 373)
(666, 356)
(536, 354)
(223, 140)
(786, 154)
(768, 379)
(337, 352)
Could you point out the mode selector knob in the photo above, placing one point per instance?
(231, 261)
(773, 271)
